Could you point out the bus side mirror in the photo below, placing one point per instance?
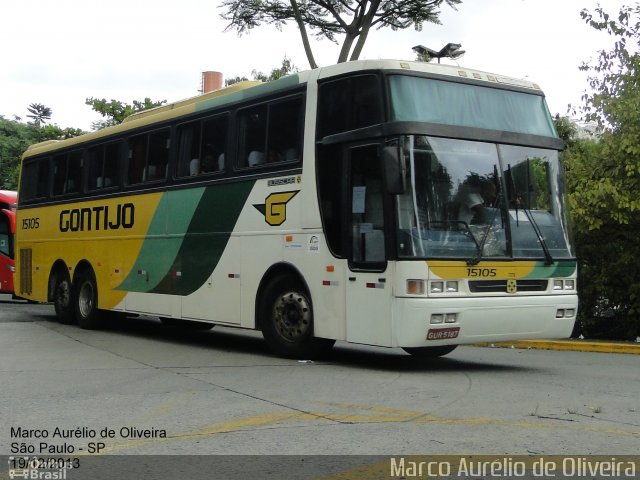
(395, 170)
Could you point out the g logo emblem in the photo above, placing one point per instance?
(274, 207)
(512, 286)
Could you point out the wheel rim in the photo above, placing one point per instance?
(292, 316)
(86, 299)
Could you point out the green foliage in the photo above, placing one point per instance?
(285, 69)
(328, 19)
(278, 72)
(15, 137)
(604, 180)
(116, 111)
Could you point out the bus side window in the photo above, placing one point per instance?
(214, 142)
(189, 160)
(348, 104)
(137, 159)
(95, 165)
(75, 163)
(284, 131)
(252, 131)
(113, 153)
(158, 155)
(5, 238)
(59, 174)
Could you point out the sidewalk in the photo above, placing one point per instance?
(575, 345)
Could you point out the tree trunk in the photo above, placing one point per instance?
(364, 27)
(303, 34)
(346, 47)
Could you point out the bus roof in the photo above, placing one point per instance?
(249, 89)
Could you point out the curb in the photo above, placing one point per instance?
(571, 345)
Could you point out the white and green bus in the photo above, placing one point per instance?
(384, 203)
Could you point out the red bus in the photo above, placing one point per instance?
(8, 201)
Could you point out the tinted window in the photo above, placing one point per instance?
(148, 157)
(348, 104)
(67, 173)
(103, 162)
(202, 146)
(270, 133)
(35, 180)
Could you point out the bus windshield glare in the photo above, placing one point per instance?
(473, 200)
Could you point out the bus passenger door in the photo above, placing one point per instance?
(369, 295)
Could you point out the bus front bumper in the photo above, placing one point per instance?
(421, 322)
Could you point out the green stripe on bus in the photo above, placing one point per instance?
(242, 95)
(163, 239)
(560, 268)
(208, 234)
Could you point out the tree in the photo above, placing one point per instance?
(40, 113)
(330, 18)
(15, 138)
(285, 69)
(115, 111)
(604, 180)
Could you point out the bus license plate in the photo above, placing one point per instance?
(443, 333)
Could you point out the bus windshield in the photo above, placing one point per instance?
(444, 102)
(473, 200)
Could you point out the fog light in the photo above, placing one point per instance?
(451, 318)
(560, 313)
(569, 313)
(557, 284)
(569, 284)
(452, 286)
(415, 287)
(437, 287)
(436, 318)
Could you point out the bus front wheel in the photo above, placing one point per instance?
(430, 352)
(86, 301)
(287, 320)
(62, 300)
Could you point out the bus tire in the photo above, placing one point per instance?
(430, 352)
(86, 301)
(63, 300)
(286, 320)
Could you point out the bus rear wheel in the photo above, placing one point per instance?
(86, 301)
(62, 300)
(286, 319)
(430, 352)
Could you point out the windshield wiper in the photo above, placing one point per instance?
(497, 205)
(480, 246)
(543, 243)
(534, 224)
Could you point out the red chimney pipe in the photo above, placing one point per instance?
(211, 81)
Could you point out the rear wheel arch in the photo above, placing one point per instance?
(285, 314)
(276, 271)
(85, 297)
(59, 270)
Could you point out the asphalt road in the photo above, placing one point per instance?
(163, 391)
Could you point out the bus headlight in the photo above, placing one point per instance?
(564, 284)
(437, 287)
(452, 286)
